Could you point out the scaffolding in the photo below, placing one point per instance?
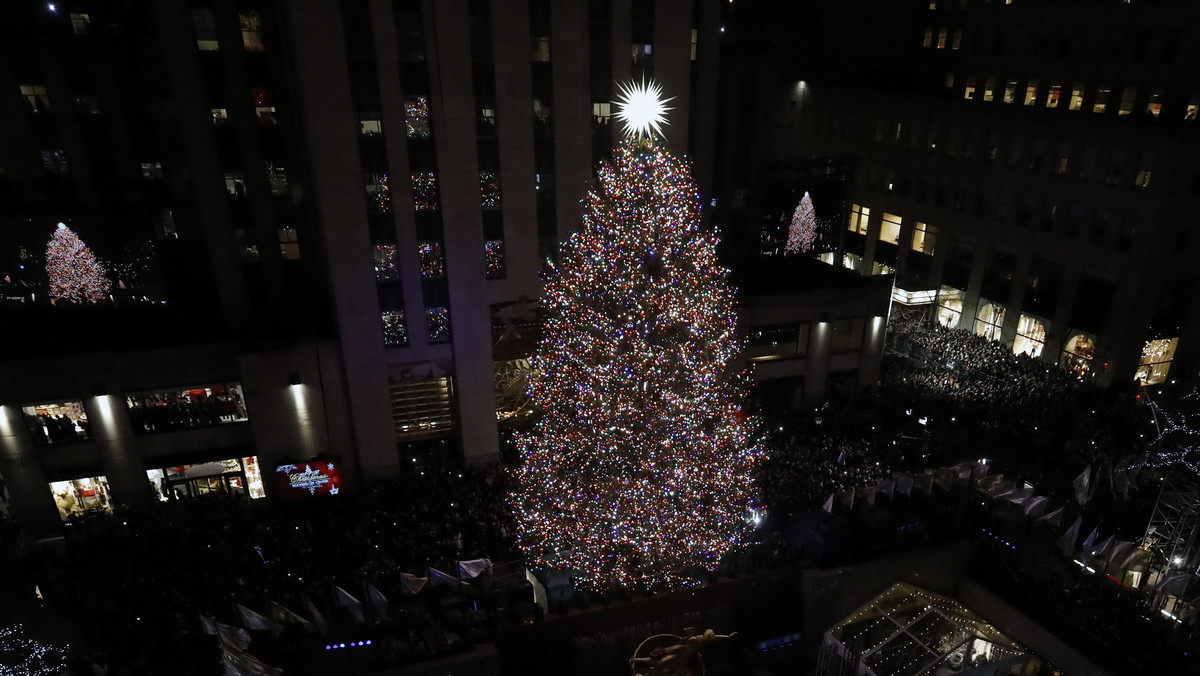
(1173, 534)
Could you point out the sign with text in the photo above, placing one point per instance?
(308, 479)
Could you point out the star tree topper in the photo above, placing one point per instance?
(642, 108)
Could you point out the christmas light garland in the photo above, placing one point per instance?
(1178, 441)
(73, 270)
(639, 470)
(23, 656)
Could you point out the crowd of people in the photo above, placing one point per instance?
(48, 428)
(162, 412)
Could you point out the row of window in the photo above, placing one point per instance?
(1029, 92)
(845, 336)
(206, 31)
(150, 412)
(923, 236)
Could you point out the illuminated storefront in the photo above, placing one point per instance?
(1156, 360)
(1078, 354)
(234, 476)
(1031, 336)
(57, 422)
(989, 320)
(950, 307)
(81, 497)
(181, 408)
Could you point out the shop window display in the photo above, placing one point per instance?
(241, 477)
(186, 408)
(1156, 360)
(1031, 336)
(950, 307)
(81, 497)
(1078, 354)
(989, 321)
(57, 423)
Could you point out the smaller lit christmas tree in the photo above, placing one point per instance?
(803, 232)
(73, 270)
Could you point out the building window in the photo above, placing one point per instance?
(489, 189)
(989, 321)
(370, 126)
(421, 406)
(859, 218)
(889, 228)
(152, 170)
(433, 261)
(928, 41)
(941, 40)
(540, 51)
(276, 179)
(956, 41)
(235, 184)
(183, 408)
(1127, 97)
(969, 89)
(845, 335)
(1078, 354)
(233, 476)
(251, 32)
(81, 24)
(1077, 96)
(1010, 91)
(695, 38)
(58, 422)
(424, 191)
(950, 307)
(289, 244)
(263, 110)
(437, 321)
(87, 104)
(1064, 157)
(641, 53)
(387, 263)
(81, 497)
(35, 96)
(1031, 337)
(1031, 92)
(1154, 105)
(602, 112)
(416, 116)
(1101, 103)
(1156, 360)
(1142, 179)
(395, 332)
(1053, 93)
(1192, 106)
(493, 258)
(924, 238)
(206, 31)
(379, 193)
(220, 117)
(989, 88)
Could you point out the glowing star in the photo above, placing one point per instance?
(642, 108)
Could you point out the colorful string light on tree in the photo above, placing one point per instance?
(638, 473)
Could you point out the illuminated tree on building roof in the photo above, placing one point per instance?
(639, 470)
(73, 270)
(803, 232)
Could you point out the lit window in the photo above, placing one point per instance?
(1156, 360)
(220, 117)
(924, 238)
(969, 89)
(1101, 103)
(370, 127)
(152, 170)
(251, 31)
(276, 179)
(602, 112)
(1010, 91)
(941, 39)
(263, 110)
(493, 258)
(989, 88)
(695, 37)
(206, 31)
(437, 323)
(289, 244)
(859, 218)
(387, 263)
(1192, 106)
(889, 228)
(928, 41)
(80, 497)
(950, 307)
(1031, 94)
(1064, 156)
(81, 24)
(989, 321)
(1053, 94)
(379, 193)
(541, 111)
(640, 52)
(489, 190)
(58, 422)
(1142, 179)
(35, 96)
(541, 49)
(1077, 96)
(395, 331)
(487, 118)
(1154, 105)
(425, 191)
(1078, 354)
(416, 116)
(1127, 97)
(1031, 336)
(433, 261)
(235, 184)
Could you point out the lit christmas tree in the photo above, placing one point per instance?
(803, 232)
(639, 470)
(74, 272)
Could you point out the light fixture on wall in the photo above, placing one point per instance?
(294, 378)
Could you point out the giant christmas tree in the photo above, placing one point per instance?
(74, 272)
(803, 232)
(638, 471)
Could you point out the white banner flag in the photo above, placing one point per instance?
(346, 600)
(469, 570)
(411, 584)
(378, 601)
(254, 621)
